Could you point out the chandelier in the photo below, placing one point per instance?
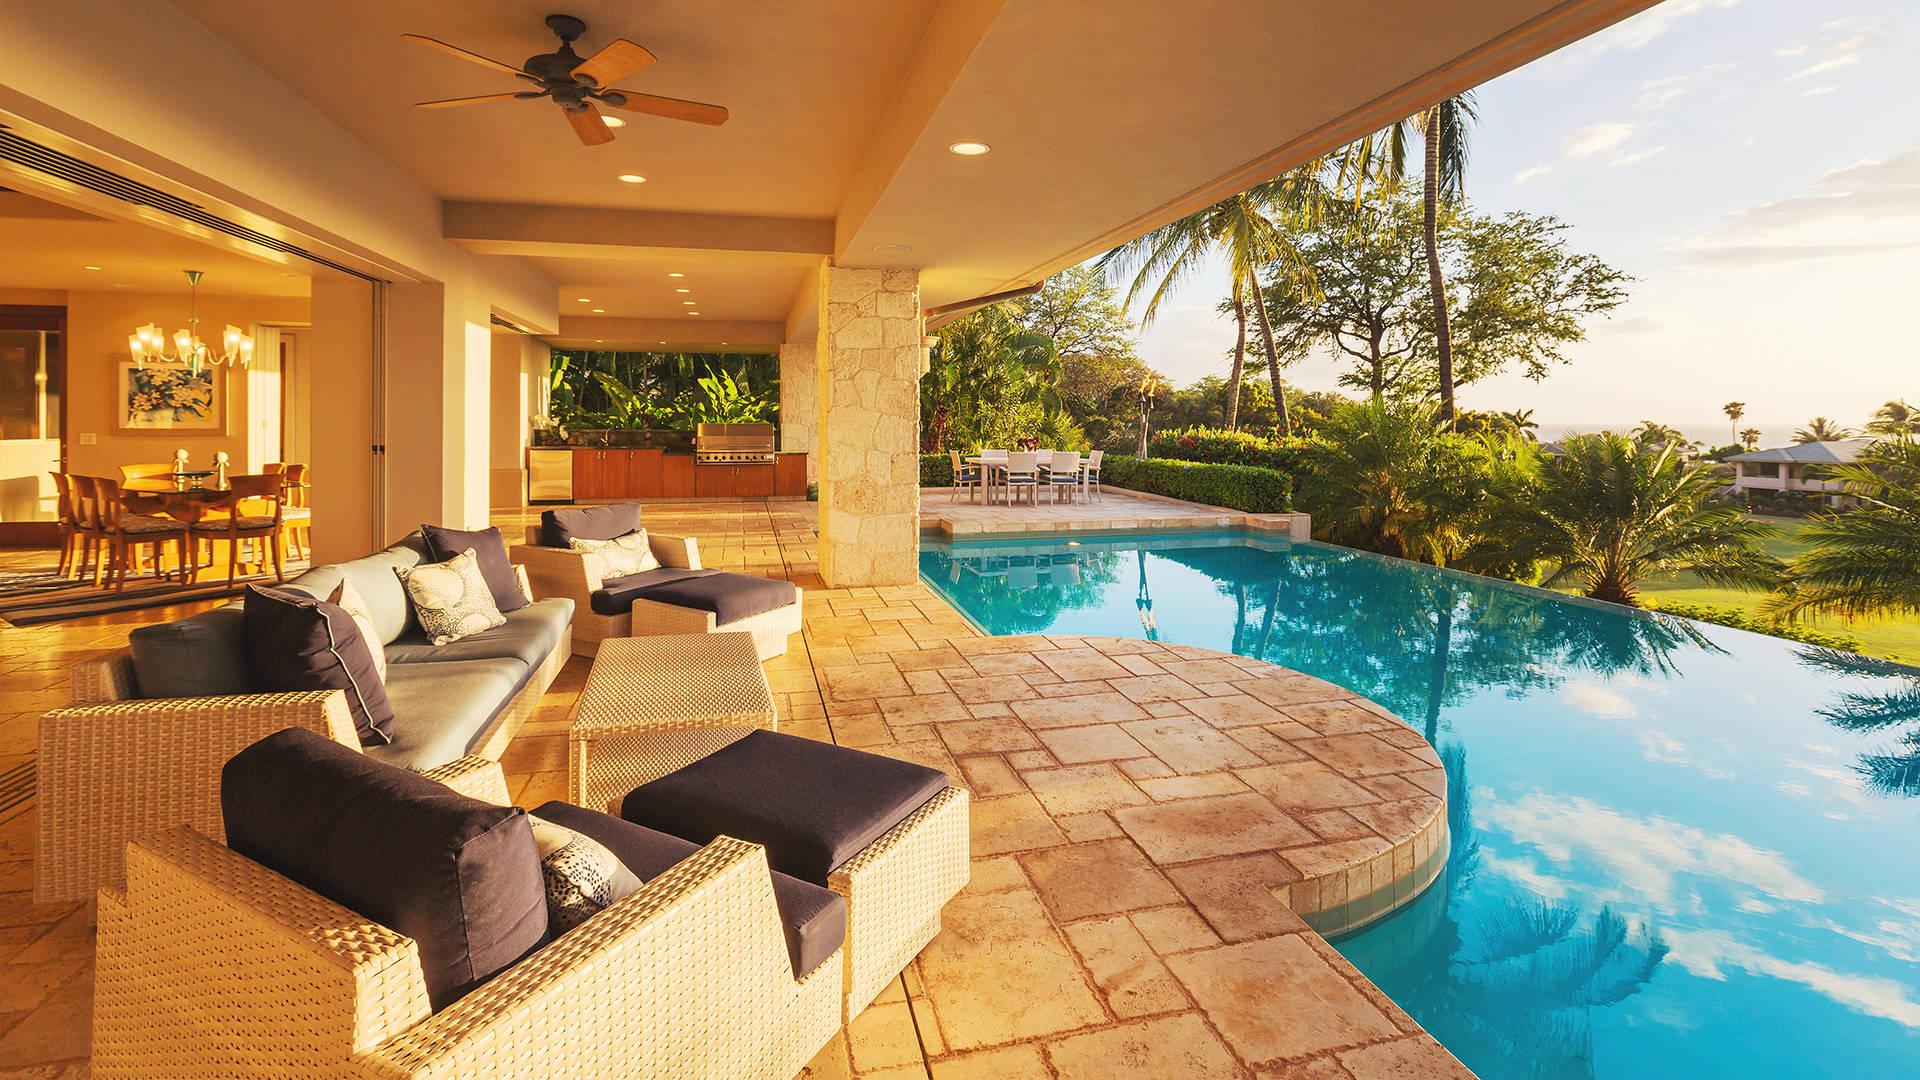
(148, 343)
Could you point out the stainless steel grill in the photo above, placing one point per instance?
(734, 444)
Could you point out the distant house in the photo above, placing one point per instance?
(1795, 468)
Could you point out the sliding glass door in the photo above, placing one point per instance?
(32, 385)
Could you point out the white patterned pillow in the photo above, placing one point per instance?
(582, 877)
(349, 600)
(450, 598)
(618, 557)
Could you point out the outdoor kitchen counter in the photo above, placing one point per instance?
(652, 473)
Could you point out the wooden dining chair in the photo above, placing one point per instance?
(145, 472)
(294, 509)
(964, 476)
(67, 514)
(123, 533)
(243, 524)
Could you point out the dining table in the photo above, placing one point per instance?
(175, 498)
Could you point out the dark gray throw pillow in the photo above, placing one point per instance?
(588, 523)
(459, 876)
(489, 550)
(203, 655)
(297, 642)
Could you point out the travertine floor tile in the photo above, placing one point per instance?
(1178, 1046)
(1082, 880)
(1275, 998)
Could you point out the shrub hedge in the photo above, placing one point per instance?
(1218, 446)
(1239, 487)
(1740, 620)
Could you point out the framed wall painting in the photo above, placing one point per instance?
(170, 398)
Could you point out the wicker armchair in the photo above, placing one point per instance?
(113, 766)
(211, 965)
(555, 572)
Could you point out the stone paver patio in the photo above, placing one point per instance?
(1114, 509)
(1143, 815)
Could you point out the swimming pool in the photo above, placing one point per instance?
(1679, 850)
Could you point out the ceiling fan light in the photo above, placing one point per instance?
(614, 121)
(631, 178)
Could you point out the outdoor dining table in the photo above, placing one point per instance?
(990, 467)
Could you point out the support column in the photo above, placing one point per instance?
(519, 391)
(800, 404)
(439, 363)
(342, 408)
(867, 362)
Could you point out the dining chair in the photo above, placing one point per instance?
(145, 472)
(67, 515)
(1090, 474)
(1022, 473)
(964, 476)
(240, 525)
(124, 532)
(1063, 474)
(294, 509)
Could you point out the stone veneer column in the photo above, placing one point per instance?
(800, 403)
(868, 373)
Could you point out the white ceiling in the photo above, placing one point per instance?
(50, 246)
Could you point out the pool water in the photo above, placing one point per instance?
(1678, 849)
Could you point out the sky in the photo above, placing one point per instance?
(1753, 164)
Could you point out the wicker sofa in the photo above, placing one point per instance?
(209, 964)
(118, 764)
(558, 572)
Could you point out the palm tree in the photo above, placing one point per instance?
(1524, 423)
(1249, 229)
(1822, 430)
(1383, 156)
(1609, 512)
(1734, 410)
(1895, 418)
(1655, 435)
(1239, 358)
(1750, 437)
(1867, 560)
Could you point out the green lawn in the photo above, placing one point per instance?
(1894, 639)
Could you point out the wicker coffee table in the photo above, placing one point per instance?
(653, 704)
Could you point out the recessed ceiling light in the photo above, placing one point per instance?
(581, 300)
(675, 273)
(892, 249)
(723, 343)
(683, 290)
(969, 149)
(614, 121)
(631, 178)
(693, 313)
(599, 311)
(90, 268)
(690, 303)
(663, 343)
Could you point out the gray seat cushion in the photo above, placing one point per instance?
(731, 597)
(530, 635)
(615, 596)
(373, 578)
(588, 523)
(815, 919)
(202, 655)
(813, 804)
(440, 709)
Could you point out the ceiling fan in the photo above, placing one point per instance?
(576, 84)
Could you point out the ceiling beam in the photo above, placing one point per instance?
(604, 233)
(581, 330)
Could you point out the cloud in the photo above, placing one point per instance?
(1869, 207)
(1818, 90)
(1659, 93)
(1531, 173)
(1636, 157)
(1597, 139)
(1598, 700)
(1706, 953)
(1648, 26)
(1657, 745)
(1843, 52)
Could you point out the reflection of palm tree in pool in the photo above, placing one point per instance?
(1894, 709)
(1143, 600)
(1506, 983)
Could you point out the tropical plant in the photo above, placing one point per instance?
(721, 400)
(1888, 702)
(628, 410)
(1895, 418)
(1865, 561)
(1654, 435)
(1749, 437)
(1734, 411)
(1608, 512)
(1822, 429)
(1524, 423)
(1383, 476)
(989, 380)
(1252, 230)
(1443, 131)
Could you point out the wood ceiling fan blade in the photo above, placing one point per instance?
(590, 127)
(455, 50)
(613, 63)
(447, 103)
(671, 108)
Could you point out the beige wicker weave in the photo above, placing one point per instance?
(112, 767)
(895, 889)
(211, 965)
(566, 573)
(654, 704)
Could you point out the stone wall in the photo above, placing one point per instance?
(868, 373)
(800, 403)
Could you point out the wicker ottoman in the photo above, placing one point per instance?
(889, 836)
(654, 704)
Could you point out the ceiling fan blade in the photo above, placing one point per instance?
(455, 50)
(613, 63)
(671, 108)
(590, 127)
(447, 103)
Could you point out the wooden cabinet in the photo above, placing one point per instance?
(790, 474)
(677, 473)
(643, 473)
(733, 481)
(599, 474)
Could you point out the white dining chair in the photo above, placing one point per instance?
(964, 476)
(1090, 474)
(1022, 473)
(1063, 474)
